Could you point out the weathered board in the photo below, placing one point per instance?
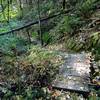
(74, 72)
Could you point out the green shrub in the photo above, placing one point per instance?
(36, 68)
(45, 63)
(73, 45)
(86, 8)
(8, 42)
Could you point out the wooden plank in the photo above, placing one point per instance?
(74, 73)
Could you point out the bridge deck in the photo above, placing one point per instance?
(74, 73)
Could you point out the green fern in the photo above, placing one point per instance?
(86, 7)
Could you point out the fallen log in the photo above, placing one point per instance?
(35, 22)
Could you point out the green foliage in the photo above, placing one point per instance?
(38, 54)
(46, 63)
(34, 34)
(91, 44)
(86, 8)
(43, 63)
(95, 38)
(72, 23)
(46, 38)
(8, 42)
(68, 26)
(95, 45)
(13, 12)
(93, 96)
(9, 26)
(5, 29)
(38, 67)
(73, 45)
(29, 93)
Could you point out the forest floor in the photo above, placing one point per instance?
(10, 70)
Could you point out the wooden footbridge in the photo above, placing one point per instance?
(74, 73)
